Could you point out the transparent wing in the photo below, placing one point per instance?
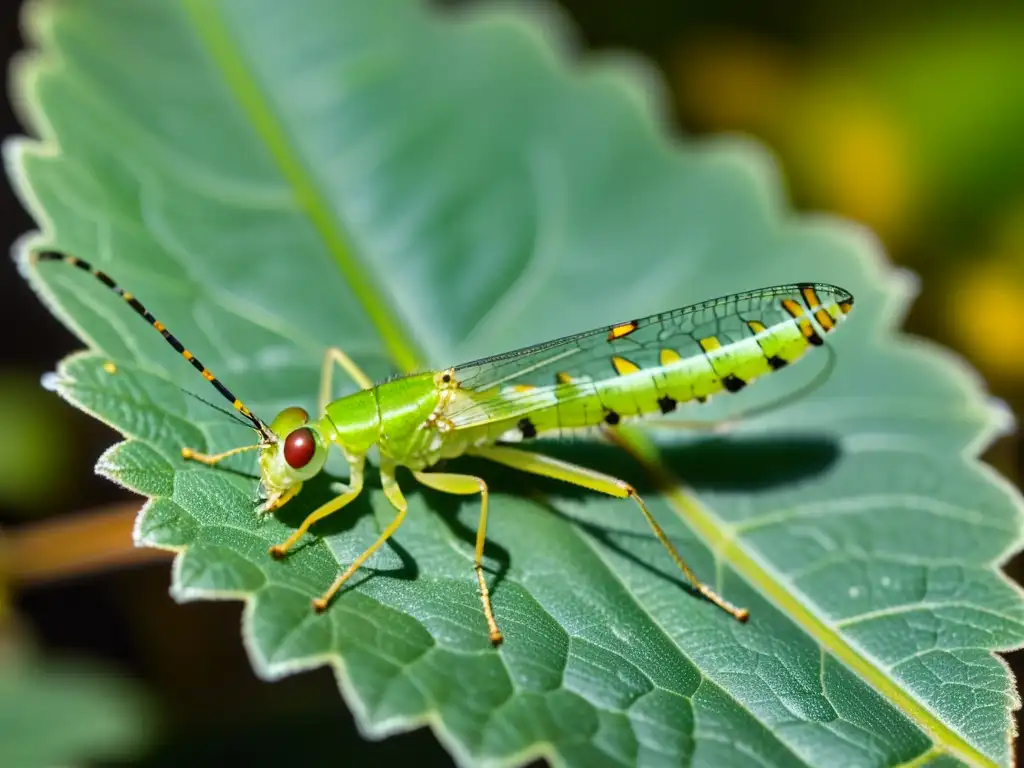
(574, 366)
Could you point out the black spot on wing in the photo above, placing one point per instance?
(527, 428)
(667, 404)
(733, 383)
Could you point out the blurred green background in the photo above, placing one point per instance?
(908, 120)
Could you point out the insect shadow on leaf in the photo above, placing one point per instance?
(742, 464)
(324, 487)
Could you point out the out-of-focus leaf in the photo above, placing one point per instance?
(274, 178)
(63, 713)
(35, 449)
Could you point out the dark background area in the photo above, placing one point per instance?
(904, 119)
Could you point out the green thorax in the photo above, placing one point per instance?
(407, 406)
(392, 415)
(355, 421)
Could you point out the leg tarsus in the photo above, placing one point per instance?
(496, 636)
(394, 495)
(465, 485)
(740, 614)
(547, 466)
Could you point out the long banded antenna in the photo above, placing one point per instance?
(140, 310)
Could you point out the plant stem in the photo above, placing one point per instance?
(71, 546)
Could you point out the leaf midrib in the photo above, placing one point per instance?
(719, 539)
(226, 55)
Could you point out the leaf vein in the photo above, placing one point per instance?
(909, 608)
(239, 76)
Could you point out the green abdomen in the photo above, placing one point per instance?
(649, 366)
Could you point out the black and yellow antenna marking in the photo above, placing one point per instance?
(135, 304)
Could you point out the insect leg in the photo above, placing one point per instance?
(278, 500)
(394, 495)
(546, 466)
(465, 485)
(215, 458)
(354, 488)
(332, 357)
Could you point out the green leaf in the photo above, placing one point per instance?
(61, 712)
(422, 186)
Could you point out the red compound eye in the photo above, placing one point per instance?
(299, 448)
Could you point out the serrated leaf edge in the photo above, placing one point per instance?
(637, 80)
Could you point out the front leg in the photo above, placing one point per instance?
(394, 495)
(467, 485)
(548, 466)
(355, 486)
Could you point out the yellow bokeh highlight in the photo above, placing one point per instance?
(730, 80)
(845, 145)
(985, 309)
(856, 154)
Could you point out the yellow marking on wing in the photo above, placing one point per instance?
(793, 307)
(563, 378)
(809, 333)
(624, 367)
(622, 329)
(810, 296)
(845, 306)
(669, 356)
(824, 320)
(755, 326)
(710, 343)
